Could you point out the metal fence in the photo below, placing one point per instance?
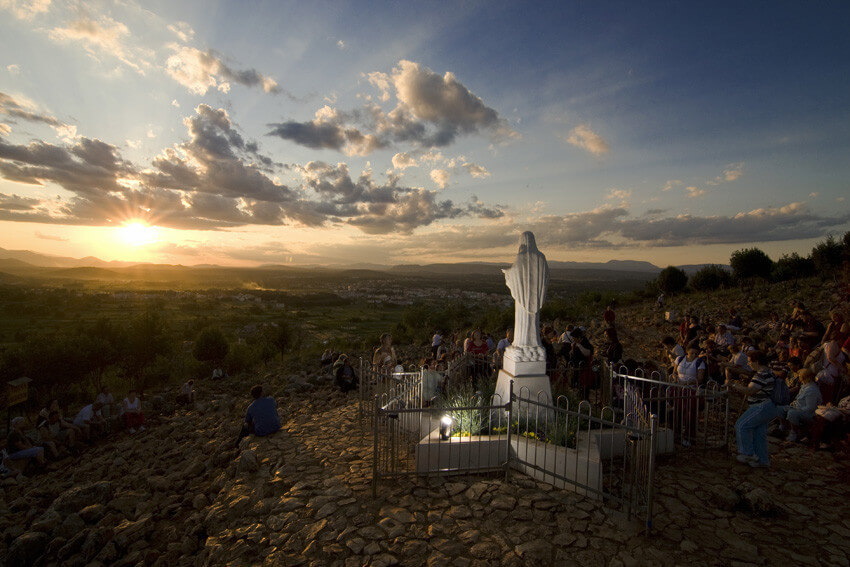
(579, 449)
(698, 416)
(407, 386)
(469, 368)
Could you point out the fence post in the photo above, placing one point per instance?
(510, 409)
(375, 448)
(726, 421)
(650, 476)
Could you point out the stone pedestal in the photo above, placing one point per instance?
(527, 386)
(526, 366)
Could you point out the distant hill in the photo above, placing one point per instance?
(49, 261)
(25, 263)
(89, 273)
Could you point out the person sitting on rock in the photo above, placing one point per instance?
(724, 337)
(133, 412)
(20, 450)
(53, 429)
(51, 448)
(90, 420)
(261, 418)
(801, 412)
(108, 407)
(735, 323)
(344, 375)
(186, 397)
(53, 406)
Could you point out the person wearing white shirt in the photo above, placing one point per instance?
(133, 412)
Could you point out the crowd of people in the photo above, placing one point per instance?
(54, 437)
(791, 372)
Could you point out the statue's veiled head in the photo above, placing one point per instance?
(527, 243)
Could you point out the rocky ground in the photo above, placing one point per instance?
(179, 494)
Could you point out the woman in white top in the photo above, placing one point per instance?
(133, 412)
(690, 371)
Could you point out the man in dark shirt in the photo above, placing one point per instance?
(261, 418)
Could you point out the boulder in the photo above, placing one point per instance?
(92, 514)
(248, 461)
(78, 497)
(26, 549)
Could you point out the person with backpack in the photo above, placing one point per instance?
(764, 393)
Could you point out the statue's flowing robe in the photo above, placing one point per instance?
(527, 279)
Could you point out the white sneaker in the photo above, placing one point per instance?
(132, 431)
(792, 436)
(746, 459)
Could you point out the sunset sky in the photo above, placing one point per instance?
(401, 132)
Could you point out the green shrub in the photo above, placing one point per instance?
(750, 263)
(672, 280)
(211, 345)
(710, 278)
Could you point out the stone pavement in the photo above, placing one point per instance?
(180, 495)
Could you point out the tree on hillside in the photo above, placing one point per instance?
(750, 263)
(211, 345)
(711, 277)
(672, 279)
(792, 267)
(827, 255)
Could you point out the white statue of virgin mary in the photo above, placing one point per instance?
(527, 279)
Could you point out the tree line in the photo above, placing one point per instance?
(752, 264)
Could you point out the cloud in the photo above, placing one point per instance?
(671, 183)
(17, 203)
(618, 194)
(477, 171)
(182, 30)
(5, 129)
(432, 111)
(403, 160)
(104, 36)
(730, 173)
(790, 222)
(25, 110)
(327, 131)
(583, 137)
(694, 192)
(215, 179)
(13, 69)
(43, 236)
(200, 71)
(440, 177)
(174, 103)
(25, 9)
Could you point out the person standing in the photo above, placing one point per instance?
(384, 359)
(608, 316)
(436, 341)
(751, 427)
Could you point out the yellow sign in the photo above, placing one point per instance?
(18, 391)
